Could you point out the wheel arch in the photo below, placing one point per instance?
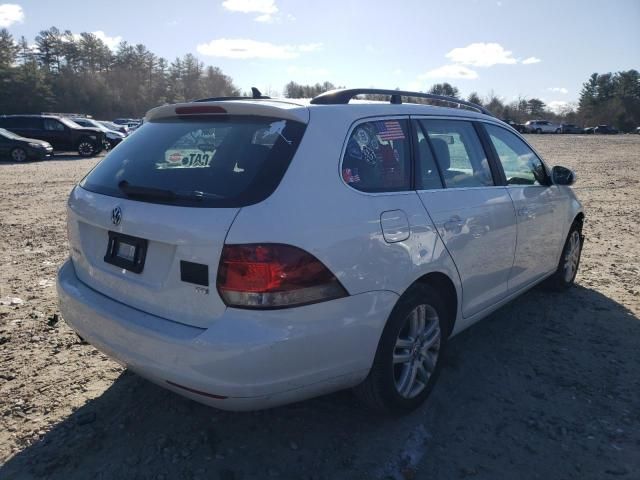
(443, 284)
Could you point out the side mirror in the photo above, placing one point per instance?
(563, 176)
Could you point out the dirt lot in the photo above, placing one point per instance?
(548, 387)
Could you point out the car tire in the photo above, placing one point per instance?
(558, 130)
(409, 355)
(86, 148)
(538, 131)
(565, 274)
(19, 155)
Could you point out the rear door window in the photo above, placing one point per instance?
(378, 157)
(228, 161)
(53, 125)
(459, 153)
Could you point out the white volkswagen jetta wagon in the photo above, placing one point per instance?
(249, 252)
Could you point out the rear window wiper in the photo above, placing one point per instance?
(140, 191)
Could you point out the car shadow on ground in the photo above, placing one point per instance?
(515, 400)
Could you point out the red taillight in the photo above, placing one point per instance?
(199, 109)
(274, 276)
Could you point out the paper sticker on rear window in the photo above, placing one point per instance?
(186, 158)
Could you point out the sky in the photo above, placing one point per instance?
(544, 49)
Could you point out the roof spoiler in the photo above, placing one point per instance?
(343, 96)
(255, 94)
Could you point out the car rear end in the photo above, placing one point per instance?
(152, 282)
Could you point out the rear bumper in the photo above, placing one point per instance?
(246, 359)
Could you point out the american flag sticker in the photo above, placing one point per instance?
(389, 130)
(350, 175)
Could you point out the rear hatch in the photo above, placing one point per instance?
(148, 224)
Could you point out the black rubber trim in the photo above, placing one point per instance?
(497, 172)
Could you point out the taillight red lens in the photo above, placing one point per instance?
(274, 275)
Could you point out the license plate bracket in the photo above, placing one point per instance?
(126, 252)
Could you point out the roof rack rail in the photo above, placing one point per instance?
(342, 96)
(255, 94)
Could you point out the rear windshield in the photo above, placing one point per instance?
(228, 161)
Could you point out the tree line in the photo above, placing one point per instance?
(63, 72)
(610, 98)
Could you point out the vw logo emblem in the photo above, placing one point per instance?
(116, 216)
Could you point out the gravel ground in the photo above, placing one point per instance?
(547, 387)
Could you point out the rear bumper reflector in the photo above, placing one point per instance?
(192, 390)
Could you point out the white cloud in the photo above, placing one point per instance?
(111, 42)
(531, 60)
(10, 13)
(450, 71)
(310, 47)
(266, 18)
(266, 7)
(245, 48)
(558, 106)
(268, 10)
(481, 55)
(558, 89)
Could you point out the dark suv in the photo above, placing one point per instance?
(60, 132)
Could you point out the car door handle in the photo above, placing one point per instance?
(525, 212)
(454, 223)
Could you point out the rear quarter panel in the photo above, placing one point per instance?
(315, 210)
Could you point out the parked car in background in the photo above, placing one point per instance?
(570, 128)
(518, 127)
(112, 137)
(208, 278)
(638, 130)
(62, 133)
(115, 127)
(122, 121)
(605, 130)
(21, 149)
(131, 123)
(541, 126)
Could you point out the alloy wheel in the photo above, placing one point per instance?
(85, 149)
(18, 155)
(572, 256)
(416, 351)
